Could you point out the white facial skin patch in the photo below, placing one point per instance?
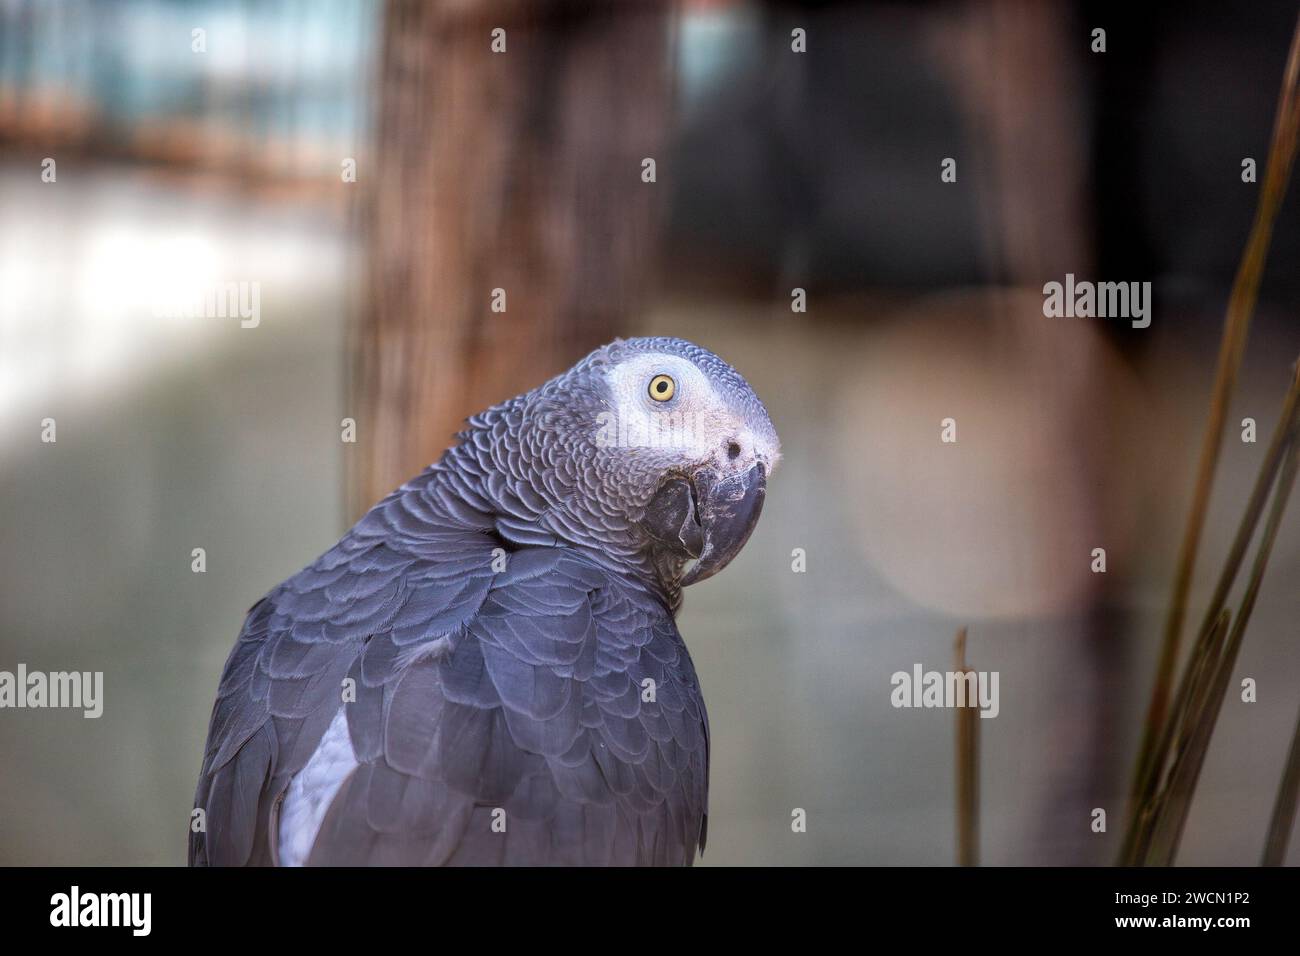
(695, 424)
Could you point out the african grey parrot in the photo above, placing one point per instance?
(486, 668)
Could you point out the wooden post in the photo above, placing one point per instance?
(519, 171)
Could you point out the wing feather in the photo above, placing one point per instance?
(547, 713)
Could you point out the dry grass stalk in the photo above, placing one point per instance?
(968, 740)
(1241, 305)
(1165, 794)
(1279, 827)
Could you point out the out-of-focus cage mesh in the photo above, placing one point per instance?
(133, 80)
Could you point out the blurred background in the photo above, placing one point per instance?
(375, 171)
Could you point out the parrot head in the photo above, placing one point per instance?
(675, 448)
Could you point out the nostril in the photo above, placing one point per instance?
(733, 450)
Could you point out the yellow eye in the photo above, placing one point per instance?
(662, 388)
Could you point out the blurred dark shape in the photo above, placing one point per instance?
(822, 170)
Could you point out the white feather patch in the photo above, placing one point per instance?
(312, 791)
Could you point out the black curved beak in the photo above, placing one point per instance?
(671, 519)
(708, 516)
(727, 509)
